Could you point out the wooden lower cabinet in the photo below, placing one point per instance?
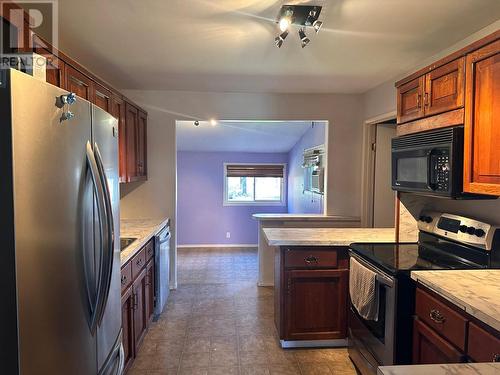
(150, 291)
(442, 333)
(311, 288)
(315, 304)
(138, 301)
(128, 327)
(430, 348)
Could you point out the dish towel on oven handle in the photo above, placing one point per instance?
(363, 290)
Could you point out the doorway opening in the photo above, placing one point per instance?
(378, 198)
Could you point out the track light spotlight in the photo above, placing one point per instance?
(280, 39)
(304, 40)
(317, 25)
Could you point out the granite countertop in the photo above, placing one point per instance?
(303, 217)
(474, 291)
(143, 230)
(326, 236)
(444, 369)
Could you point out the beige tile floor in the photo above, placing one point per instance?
(219, 322)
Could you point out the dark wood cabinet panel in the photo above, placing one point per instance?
(482, 116)
(128, 327)
(409, 100)
(444, 88)
(311, 288)
(102, 97)
(430, 348)
(483, 346)
(140, 315)
(78, 83)
(150, 290)
(142, 165)
(441, 318)
(316, 304)
(131, 121)
(118, 111)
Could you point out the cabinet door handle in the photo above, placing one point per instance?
(311, 259)
(124, 279)
(436, 316)
(419, 104)
(426, 99)
(139, 262)
(496, 358)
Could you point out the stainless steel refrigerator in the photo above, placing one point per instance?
(60, 257)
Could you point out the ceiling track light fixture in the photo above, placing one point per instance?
(304, 40)
(302, 16)
(280, 38)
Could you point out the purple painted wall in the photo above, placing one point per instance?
(299, 201)
(201, 216)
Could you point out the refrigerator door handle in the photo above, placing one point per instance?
(101, 208)
(108, 246)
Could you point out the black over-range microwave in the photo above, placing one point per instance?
(430, 163)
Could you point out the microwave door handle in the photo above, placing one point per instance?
(431, 176)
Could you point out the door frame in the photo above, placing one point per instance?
(368, 166)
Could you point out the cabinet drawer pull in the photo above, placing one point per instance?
(311, 259)
(124, 279)
(139, 262)
(418, 101)
(436, 316)
(496, 358)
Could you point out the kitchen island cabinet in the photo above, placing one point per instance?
(311, 295)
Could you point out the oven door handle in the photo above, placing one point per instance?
(382, 278)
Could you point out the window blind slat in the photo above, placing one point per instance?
(235, 170)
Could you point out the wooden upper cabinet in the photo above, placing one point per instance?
(102, 97)
(409, 101)
(482, 119)
(440, 90)
(142, 165)
(444, 88)
(118, 111)
(78, 83)
(131, 120)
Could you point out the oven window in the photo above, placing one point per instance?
(412, 169)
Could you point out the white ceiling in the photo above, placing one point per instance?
(240, 136)
(227, 45)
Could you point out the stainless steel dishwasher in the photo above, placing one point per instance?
(162, 269)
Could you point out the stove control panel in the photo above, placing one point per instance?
(458, 228)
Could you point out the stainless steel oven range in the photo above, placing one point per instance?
(445, 242)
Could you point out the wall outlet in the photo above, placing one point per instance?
(228, 234)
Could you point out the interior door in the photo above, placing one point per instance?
(384, 198)
(105, 142)
(50, 183)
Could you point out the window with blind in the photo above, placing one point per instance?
(254, 184)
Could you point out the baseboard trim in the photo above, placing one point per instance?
(217, 245)
(287, 344)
